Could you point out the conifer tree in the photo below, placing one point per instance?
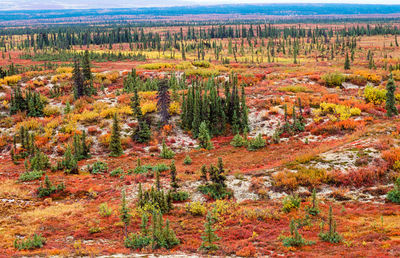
(124, 214)
(174, 183)
(347, 62)
(115, 141)
(87, 74)
(391, 109)
(209, 237)
(163, 101)
(204, 137)
(69, 162)
(79, 86)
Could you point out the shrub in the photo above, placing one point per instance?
(104, 210)
(295, 88)
(179, 196)
(37, 241)
(196, 208)
(166, 153)
(394, 195)
(341, 111)
(137, 241)
(50, 110)
(331, 235)
(203, 64)
(31, 175)
(295, 239)
(98, 167)
(333, 79)
(256, 143)
(374, 95)
(117, 172)
(40, 161)
(47, 188)
(238, 141)
(290, 202)
(187, 160)
(304, 176)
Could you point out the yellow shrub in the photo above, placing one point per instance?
(89, 116)
(155, 66)
(11, 80)
(112, 76)
(104, 139)
(196, 208)
(121, 110)
(50, 110)
(334, 111)
(30, 124)
(374, 95)
(48, 129)
(174, 108)
(372, 77)
(396, 75)
(148, 107)
(64, 70)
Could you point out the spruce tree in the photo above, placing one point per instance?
(79, 86)
(163, 101)
(124, 214)
(115, 141)
(347, 62)
(69, 163)
(391, 109)
(204, 137)
(209, 237)
(174, 183)
(87, 74)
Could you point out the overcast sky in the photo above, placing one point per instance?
(84, 4)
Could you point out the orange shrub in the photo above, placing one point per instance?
(392, 155)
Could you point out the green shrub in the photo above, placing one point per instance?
(394, 195)
(179, 196)
(291, 202)
(137, 241)
(295, 239)
(37, 241)
(166, 153)
(98, 167)
(47, 188)
(31, 175)
(40, 161)
(333, 79)
(117, 172)
(104, 210)
(256, 143)
(187, 160)
(331, 235)
(160, 167)
(215, 191)
(238, 141)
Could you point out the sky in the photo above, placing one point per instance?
(84, 4)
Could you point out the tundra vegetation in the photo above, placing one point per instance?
(244, 138)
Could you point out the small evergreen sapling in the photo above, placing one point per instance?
(204, 137)
(115, 142)
(391, 109)
(331, 235)
(209, 237)
(124, 214)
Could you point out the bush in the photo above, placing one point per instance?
(187, 160)
(295, 239)
(40, 161)
(117, 172)
(394, 195)
(37, 241)
(104, 210)
(47, 188)
(256, 143)
(331, 235)
(196, 208)
(137, 241)
(166, 153)
(50, 110)
(374, 95)
(290, 202)
(31, 175)
(179, 196)
(333, 79)
(215, 191)
(238, 141)
(98, 167)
